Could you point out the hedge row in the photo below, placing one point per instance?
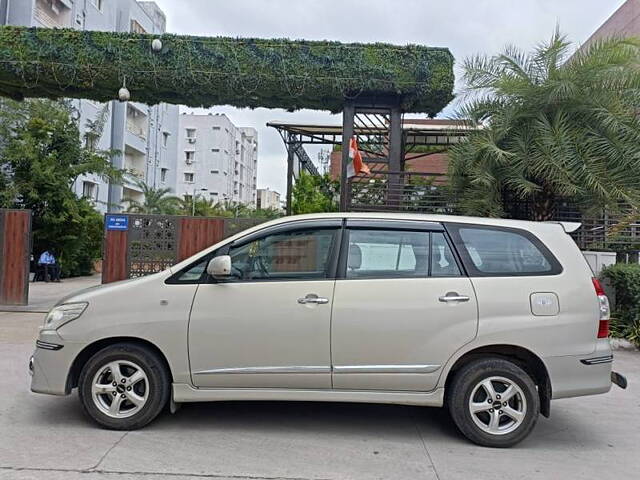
(202, 71)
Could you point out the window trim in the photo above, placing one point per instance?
(398, 226)
(336, 224)
(453, 229)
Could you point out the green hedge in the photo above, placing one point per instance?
(202, 71)
(625, 278)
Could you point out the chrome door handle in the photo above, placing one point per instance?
(453, 297)
(313, 299)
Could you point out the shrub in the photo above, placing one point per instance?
(625, 278)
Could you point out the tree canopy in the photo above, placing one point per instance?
(41, 155)
(552, 126)
(207, 71)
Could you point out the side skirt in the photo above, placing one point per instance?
(183, 393)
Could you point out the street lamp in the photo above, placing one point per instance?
(193, 200)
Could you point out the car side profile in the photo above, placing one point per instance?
(491, 318)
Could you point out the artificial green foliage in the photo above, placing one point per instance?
(314, 194)
(552, 127)
(202, 71)
(40, 157)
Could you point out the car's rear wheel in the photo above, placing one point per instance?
(124, 386)
(493, 402)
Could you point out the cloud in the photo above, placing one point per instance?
(466, 27)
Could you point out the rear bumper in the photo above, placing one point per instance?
(575, 376)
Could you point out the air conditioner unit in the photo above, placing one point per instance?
(188, 161)
(191, 139)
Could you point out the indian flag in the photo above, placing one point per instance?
(355, 164)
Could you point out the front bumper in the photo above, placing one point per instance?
(50, 364)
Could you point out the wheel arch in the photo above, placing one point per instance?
(523, 357)
(87, 352)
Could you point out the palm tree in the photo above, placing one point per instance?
(156, 201)
(550, 126)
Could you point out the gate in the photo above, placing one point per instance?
(15, 249)
(138, 245)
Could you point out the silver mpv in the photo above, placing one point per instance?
(492, 318)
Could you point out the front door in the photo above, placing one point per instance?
(402, 308)
(268, 326)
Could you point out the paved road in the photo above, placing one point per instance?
(44, 437)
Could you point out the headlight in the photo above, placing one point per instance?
(62, 314)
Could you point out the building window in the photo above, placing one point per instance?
(188, 198)
(191, 133)
(215, 128)
(163, 174)
(215, 172)
(98, 4)
(188, 177)
(136, 27)
(90, 190)
(213, 194)
(165, 138)
(189, 156)
(215, 150)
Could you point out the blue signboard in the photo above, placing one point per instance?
(117, 222)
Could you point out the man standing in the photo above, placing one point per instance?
(51, 268)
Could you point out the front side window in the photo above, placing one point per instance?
(507, 252)
(387, 253)
(292, 255)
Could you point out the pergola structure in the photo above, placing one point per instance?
(385, 139)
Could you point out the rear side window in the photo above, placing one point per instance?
(380, 254)
(399, 254)
(503, 252)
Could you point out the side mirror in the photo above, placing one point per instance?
(219, 267)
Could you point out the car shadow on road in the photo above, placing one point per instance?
(394, 422)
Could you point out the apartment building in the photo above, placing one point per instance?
(268, 199)
(216, 159)
(144, 136)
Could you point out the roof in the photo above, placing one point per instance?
(416, 131)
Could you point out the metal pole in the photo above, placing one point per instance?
(395, 157)
(289, 173)
(348, 114)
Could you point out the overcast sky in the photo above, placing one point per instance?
(466, 27)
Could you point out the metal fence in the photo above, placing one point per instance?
(418, 192)
(152, 243)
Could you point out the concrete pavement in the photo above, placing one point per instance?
(44, 295)
(43, 437)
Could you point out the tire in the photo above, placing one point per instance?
(124, 386)
(502, 426)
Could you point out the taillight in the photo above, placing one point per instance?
(603, 306)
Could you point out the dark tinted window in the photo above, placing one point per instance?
(496, 251)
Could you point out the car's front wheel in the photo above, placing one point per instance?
(124, 386)
(494, 402)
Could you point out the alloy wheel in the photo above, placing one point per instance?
(497, 405)
(120, 389)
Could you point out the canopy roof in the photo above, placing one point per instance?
(208, 71)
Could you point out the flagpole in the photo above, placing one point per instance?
(348, 114)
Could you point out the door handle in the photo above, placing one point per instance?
(312, 298)
(453, 297)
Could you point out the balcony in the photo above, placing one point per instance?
(52, 13)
